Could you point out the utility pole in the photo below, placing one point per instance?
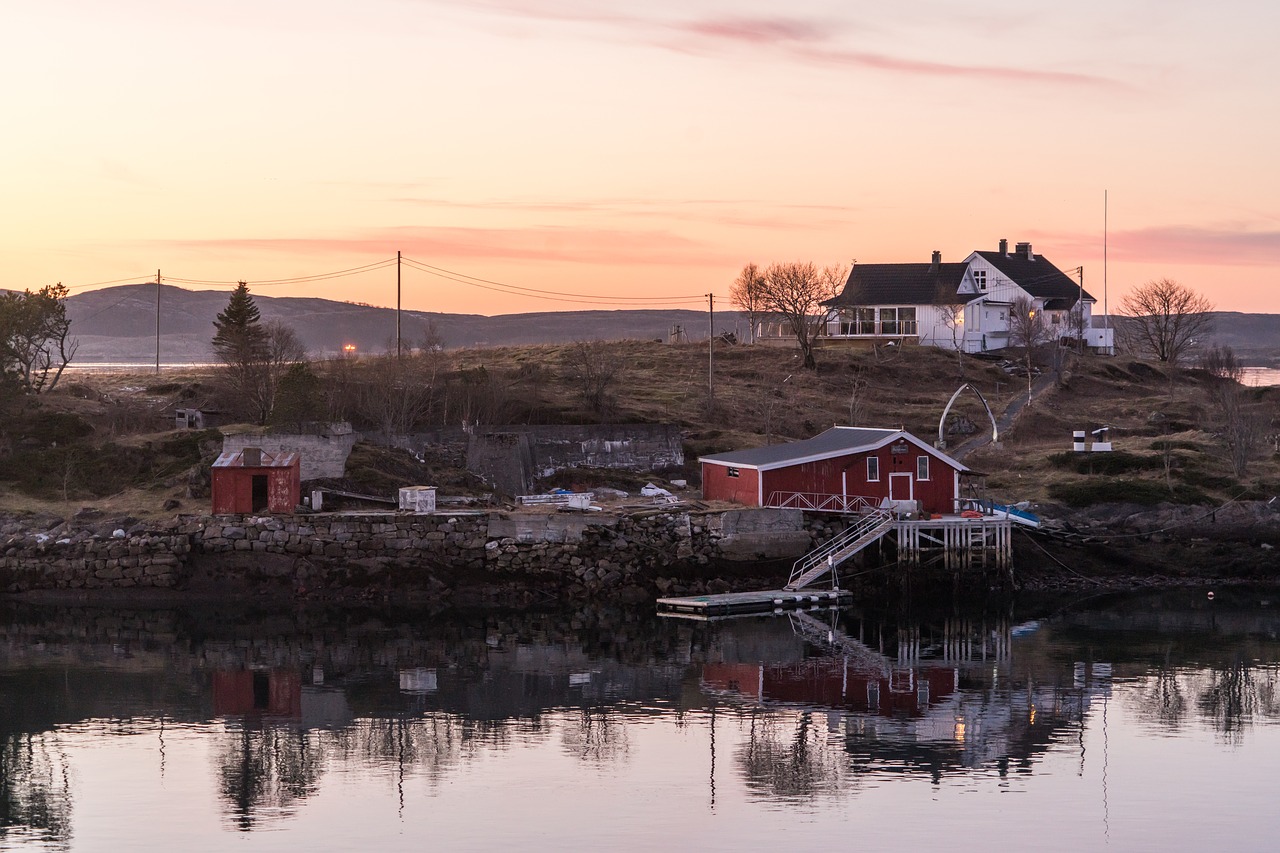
(1080, 307)
(398, 349)
(711, 358)
(157, 322)
(1106, 311)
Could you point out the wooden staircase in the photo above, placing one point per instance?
(827, 556)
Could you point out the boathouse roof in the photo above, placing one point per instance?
(837, 441)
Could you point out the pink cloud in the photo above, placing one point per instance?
(1184, 244)
(800, 39)
(715, 211)
(526, 244)
(757, 31)
(1008, 74)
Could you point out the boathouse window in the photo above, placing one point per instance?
(873, 469)
(980, 279)
(866, 321)
(732, 472)
(922, 467)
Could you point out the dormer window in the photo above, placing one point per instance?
(980, 279)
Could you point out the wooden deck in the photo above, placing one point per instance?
(762, 601)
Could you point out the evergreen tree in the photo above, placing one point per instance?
(239, 336)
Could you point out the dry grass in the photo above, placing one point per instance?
(762, 394)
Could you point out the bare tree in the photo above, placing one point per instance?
(397, 393)
(1242, 429)
(795, 292)
(1164, 318)
(282, 349)
(1076, 324)
(1027, 330)
(1221, 362)
(747, 292)
(951, 312)
(593, 366)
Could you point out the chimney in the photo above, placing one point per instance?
(252, 457)
(1004, 247)
(1025, 249)
(936, 263)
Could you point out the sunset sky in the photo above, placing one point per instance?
(637, 154)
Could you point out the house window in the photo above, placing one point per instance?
(866, 318)
(907, 320)
(888, 321)
(732, 472)
(873, 469)
(980, 279)
(848, 326)
(922, 467)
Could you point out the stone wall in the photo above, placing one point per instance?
(84, 561)
(385, 540)
(583, 551)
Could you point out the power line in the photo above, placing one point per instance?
(275, 282)
(550, 295)
(134, 279)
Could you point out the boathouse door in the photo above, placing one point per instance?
(901, 487)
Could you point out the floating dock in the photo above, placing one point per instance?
(762, 601)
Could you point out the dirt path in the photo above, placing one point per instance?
(1005, 420)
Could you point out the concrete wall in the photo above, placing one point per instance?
(324, 453)
(513, 457)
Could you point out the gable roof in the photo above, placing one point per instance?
(900, 284)
(235, 459)
(837, 441)
(1040, 278)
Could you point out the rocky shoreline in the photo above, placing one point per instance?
(462, 561)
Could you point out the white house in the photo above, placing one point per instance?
(961, 305)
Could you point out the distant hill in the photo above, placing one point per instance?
(119, 324)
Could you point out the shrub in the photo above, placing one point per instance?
(1113, 490)
(1116, 462)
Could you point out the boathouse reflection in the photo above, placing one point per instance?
(803, 706)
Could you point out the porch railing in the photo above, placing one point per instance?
(817, 502)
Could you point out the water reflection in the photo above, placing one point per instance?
(792, 712)
(35, 803)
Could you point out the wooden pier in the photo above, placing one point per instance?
(956, 543)
(761, 601)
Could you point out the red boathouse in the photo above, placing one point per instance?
(251, 480)
(835, 468)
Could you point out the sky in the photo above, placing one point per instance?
(546, 155)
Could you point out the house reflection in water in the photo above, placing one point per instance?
(957, 704)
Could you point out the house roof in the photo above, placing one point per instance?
(900, 284)
(235, 459)
(837, 441)
(1040, 278)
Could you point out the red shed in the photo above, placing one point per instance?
(250, 480)
(829, 469)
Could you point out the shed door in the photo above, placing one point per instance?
(900, 487)
(259, 492)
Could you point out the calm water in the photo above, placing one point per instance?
(1134, 723)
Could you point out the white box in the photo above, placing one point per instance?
(418, 499)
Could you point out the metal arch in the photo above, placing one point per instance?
(995, 430)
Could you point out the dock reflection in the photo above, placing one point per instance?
(802, 705)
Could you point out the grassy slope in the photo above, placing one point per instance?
(761, 394)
